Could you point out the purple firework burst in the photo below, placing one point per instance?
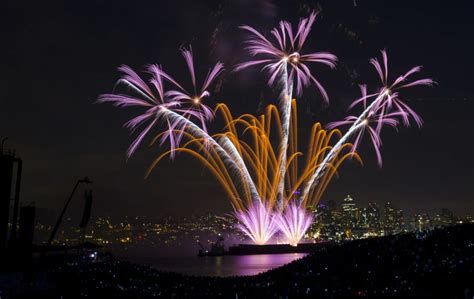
(154, 99)
(368, 123)
(196, 96)
(390, 92)
(257, 222)
(151, 97)
(385, 107)
(286, 51)
(293, 222)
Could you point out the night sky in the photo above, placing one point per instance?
(58, 56)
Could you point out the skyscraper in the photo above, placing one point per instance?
(373, 217)
(350, 212)
(393, 219)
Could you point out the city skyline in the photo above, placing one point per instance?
(332, 221)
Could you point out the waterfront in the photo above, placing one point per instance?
(434, 264)
(243, 265)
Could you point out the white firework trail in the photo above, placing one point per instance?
(226, 150)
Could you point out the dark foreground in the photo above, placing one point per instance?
(439, 264)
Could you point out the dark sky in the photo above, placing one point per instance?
(58, 56)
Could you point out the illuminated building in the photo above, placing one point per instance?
(393, 220)
(350, 212)
(420, 222)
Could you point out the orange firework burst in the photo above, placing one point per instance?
(246, 164)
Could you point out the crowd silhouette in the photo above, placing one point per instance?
(434, 264)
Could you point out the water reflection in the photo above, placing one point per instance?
(222, 265)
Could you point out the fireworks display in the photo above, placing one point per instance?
(294, 222)
(251, 179)
(258, 222)
(160, 103)
(384, 109)
(272, 186)
(283, 59)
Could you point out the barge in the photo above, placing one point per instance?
(217, 249)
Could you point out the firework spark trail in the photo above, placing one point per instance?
(278, 56)
(359, 123)
(229, 147)
(153, 97)
(151, 100)
(387, 99)
(285, 105)
(257, 222)
(195, 97)
(261, 167)
(293, 222)
(165, 106)
(226, 150)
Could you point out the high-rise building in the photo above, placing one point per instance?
(444, 218)
(393, 219)
(348, 205)
(324, 225)
(322, 219)
(373, 216)
(468, 219)
(350, 216)
(399, 221)
(420, 222)
(447, 217)
(389, 218)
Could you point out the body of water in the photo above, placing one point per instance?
(219, 265)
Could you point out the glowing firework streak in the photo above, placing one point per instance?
(293, 222)
(257, 222)
(277, 57)
(386, 99)
(358, 124)
(167, 106)
(259, 162)
(196, 97)
(285, 104)
(224, 149)
(149, 99)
